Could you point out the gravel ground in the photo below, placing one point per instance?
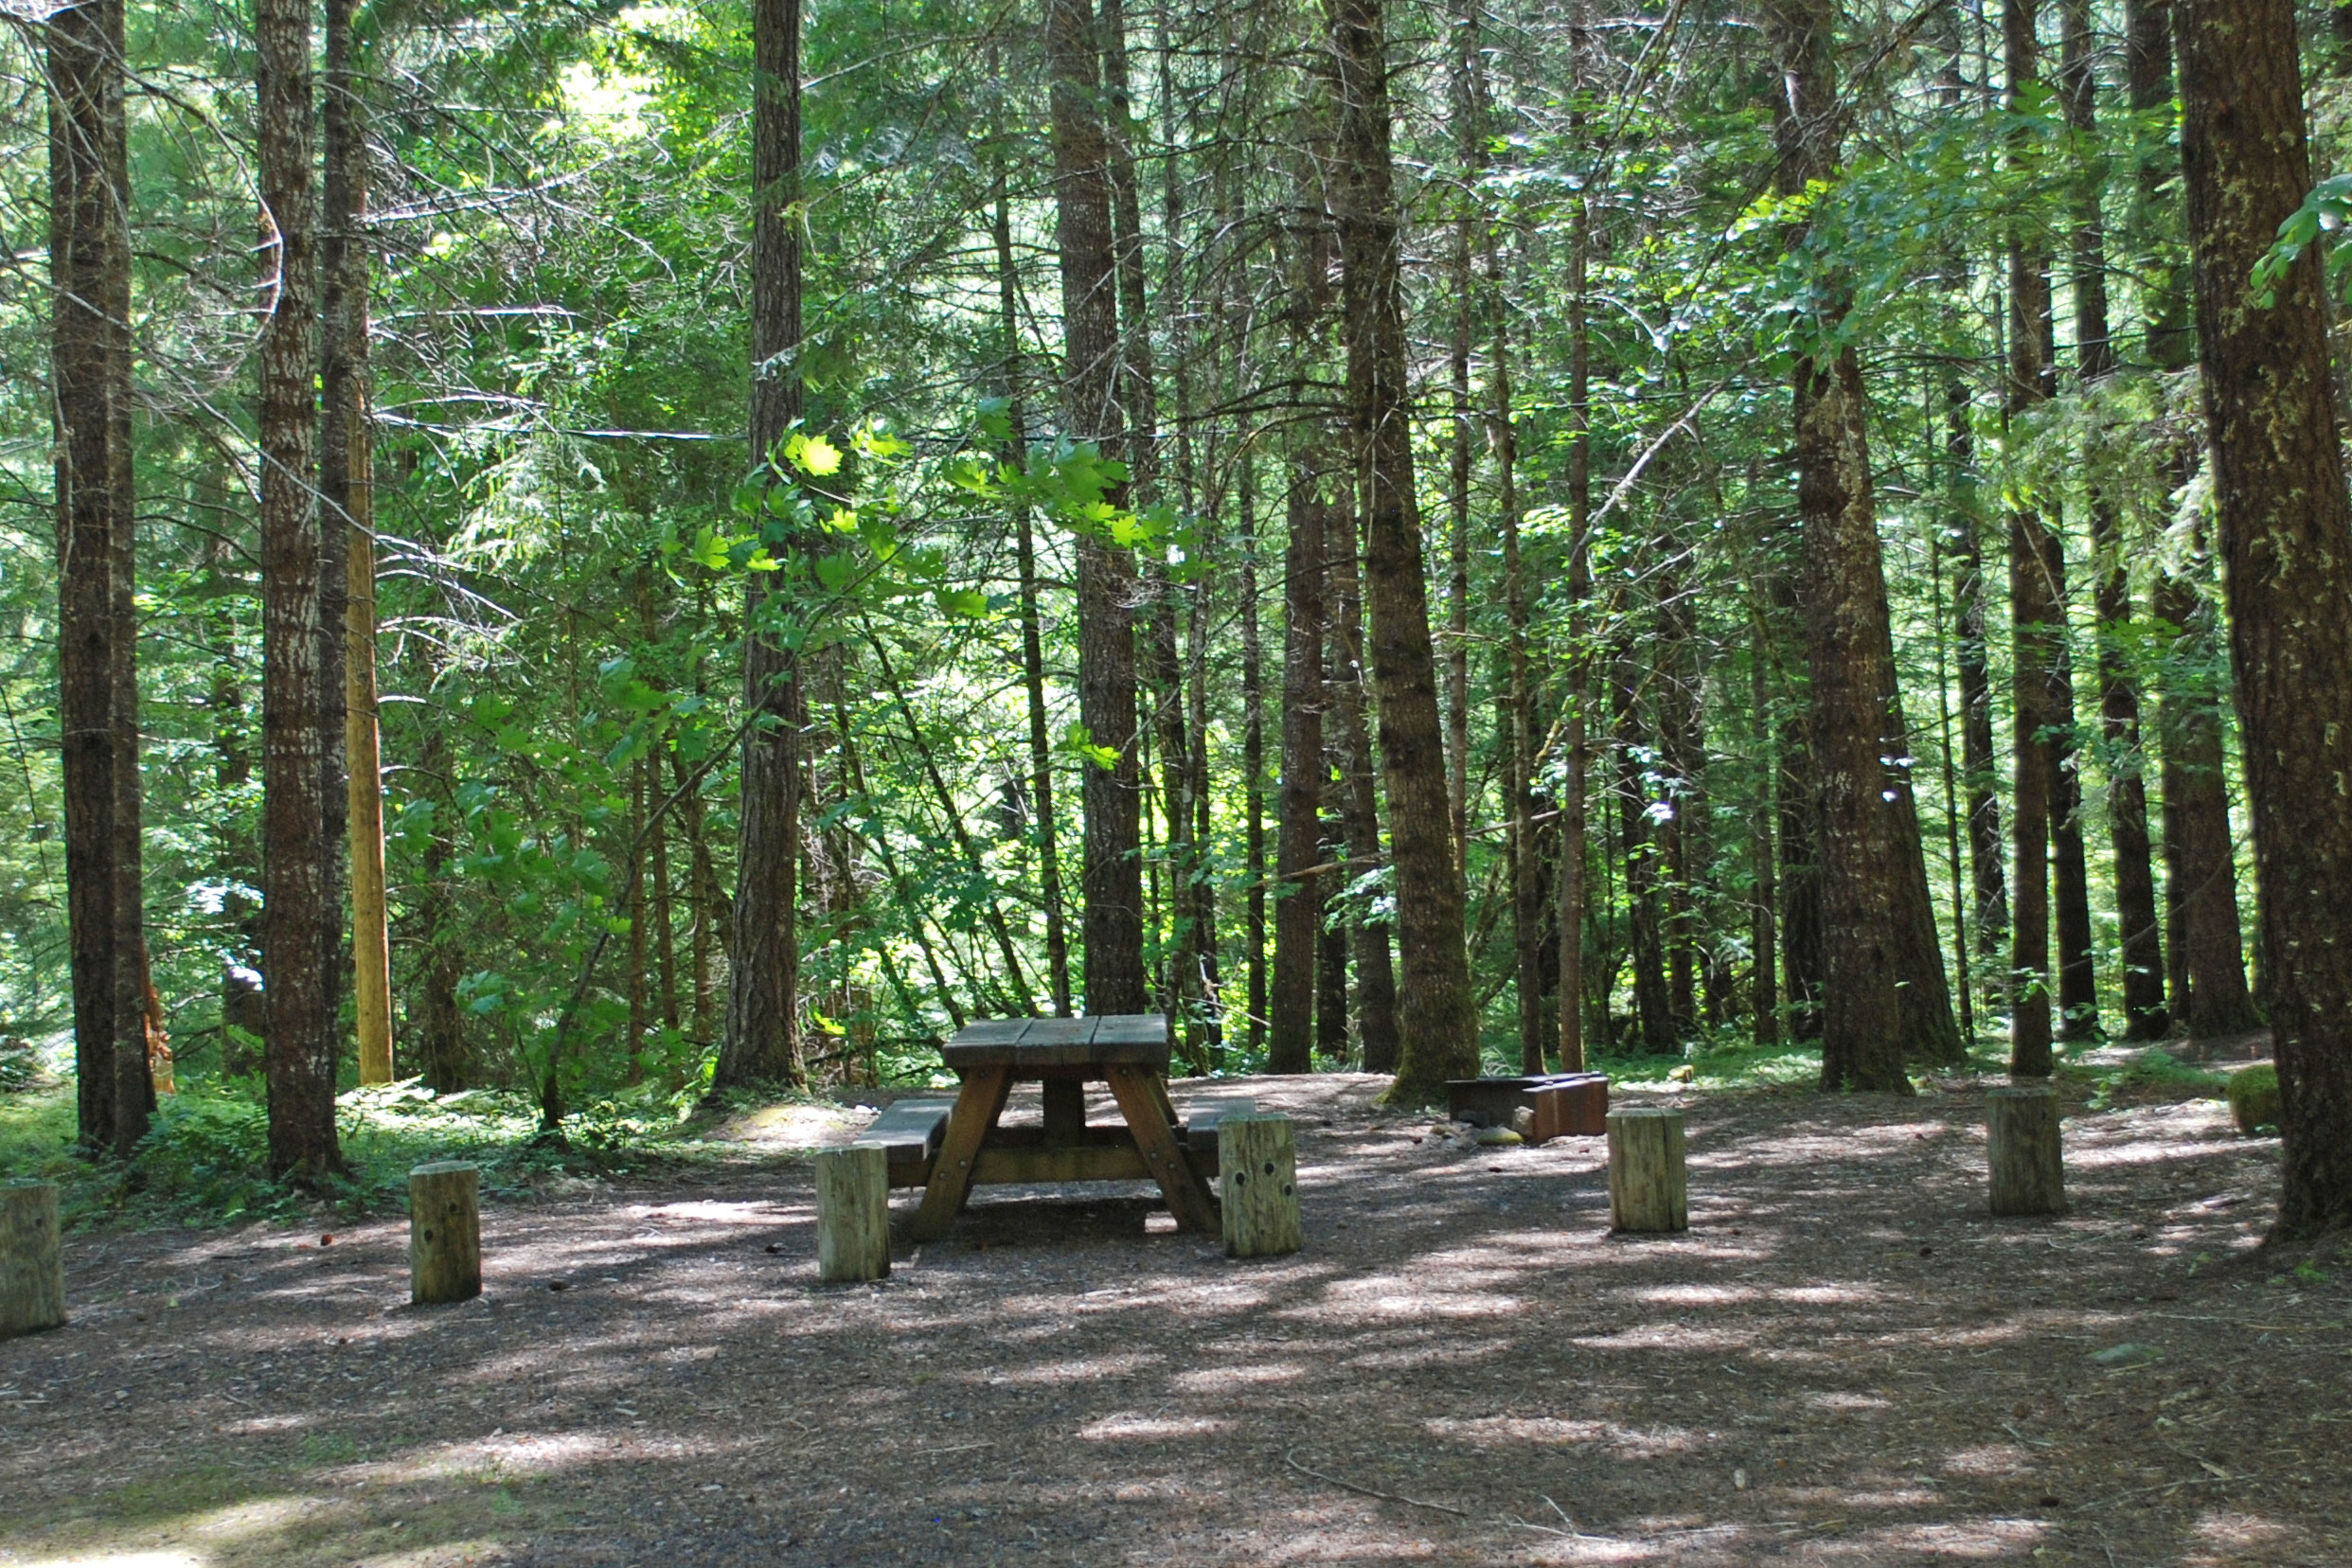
(1844, 1360)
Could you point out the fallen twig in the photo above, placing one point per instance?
(1288, 1458)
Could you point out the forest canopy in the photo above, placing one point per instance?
(615, 553)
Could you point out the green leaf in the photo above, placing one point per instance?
(813, 455)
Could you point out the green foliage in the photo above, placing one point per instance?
(2254, 1098)
(2149, 1069)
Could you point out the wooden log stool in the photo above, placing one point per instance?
(32, 1263)
(444, 1232)
(1646, 1188)
(2028, 1168)
(853, 1214)
(1258, 1168)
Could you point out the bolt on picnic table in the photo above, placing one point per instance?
(1063, 1055)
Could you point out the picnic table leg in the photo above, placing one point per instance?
(1159, 1095)
(1148, 1118)
(977, 1107)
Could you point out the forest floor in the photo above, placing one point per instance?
(1846, 1360)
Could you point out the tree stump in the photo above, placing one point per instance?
(444, 1232)
(853, 1214)
(2021, 1147)
(32, 1268)
(1258, 1166)
(1646, 1189)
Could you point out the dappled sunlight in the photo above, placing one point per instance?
(1499, 1430)
(1990, 1460)
(1846, 1359)
(1126, 1427)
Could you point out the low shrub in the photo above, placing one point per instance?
(2254, 1098)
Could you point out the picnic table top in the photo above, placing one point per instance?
(1097, 1039)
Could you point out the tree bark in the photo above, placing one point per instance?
(346, 494)
(2119, 696)
(2286, 534)
(1884, 996)
(1764, 985)
(1436, 1017)
(1653, 1002)
(1989, 884)
(763, 1041)
(1466, 106)
(1574, 782)
(2037, 617)
(1359, 795)
(96, 537)
(1291, 1006)
(298, 923)
(1518, 699)
(1032, 625)
(1253, 755)
(1139, 400)
(1112, 876)
(2202, 930)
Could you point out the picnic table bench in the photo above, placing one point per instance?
(947, 1147)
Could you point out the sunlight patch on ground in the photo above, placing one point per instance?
(1128, 1427)
(123, 1559)
(1988, 1459)
(1490, 1430)
(1092, 1369)
(508, 1457)
(1221, 1378)
(756, 1212)
(2228, 1530)
(1836, 1399)
(791, 1126)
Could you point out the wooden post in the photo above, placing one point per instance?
(1257, 1162)
(1646, 1188)
(853, 1214)
(2021, 1147)
(33, 1269)
(444, 1232)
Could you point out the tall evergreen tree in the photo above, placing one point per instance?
(2285, 531)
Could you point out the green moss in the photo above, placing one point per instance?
(2254, 1098)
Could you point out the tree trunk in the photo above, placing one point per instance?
(2119, 695)
(1111, 878)
(1359, 796)
(2202, 930)
(1139, 400)
(1330, 941)
(96, 537)
(1989, 887)
(1032, 626)
(1764, 987)
(1653, 1002)
(2037, 611)
(1575, 785)
(1253, 755)
(1289, 1042)
(348, 501)
(1518, 700)
(2286, 545)
(1467, 109)
(1435, 1018)
(763, 1041)
(298, 923)
(1681, 748)
(445, 1062)
(1885, 1000)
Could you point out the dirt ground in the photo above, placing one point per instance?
(1844, 1360)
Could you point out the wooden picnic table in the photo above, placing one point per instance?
(1130, 1052)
